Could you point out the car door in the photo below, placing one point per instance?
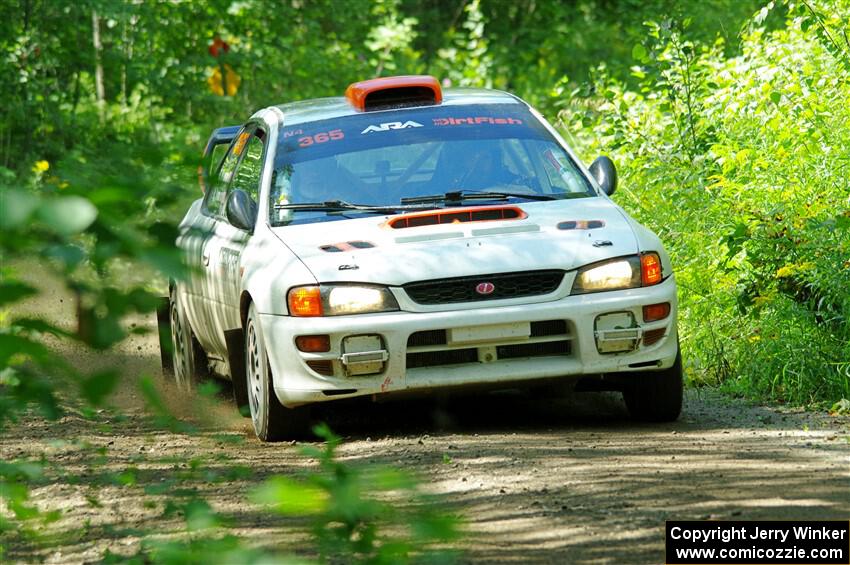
(224, 248)
(197, 228)
(200, 302)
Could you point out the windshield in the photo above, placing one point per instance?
(385, 159)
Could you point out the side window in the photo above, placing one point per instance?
(247, 175)
(556, 170)
(216, 157)
(212, 161)
(217, 195)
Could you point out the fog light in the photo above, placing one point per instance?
(313, 343)
(616, 332)
(655, 312)
(363, 354)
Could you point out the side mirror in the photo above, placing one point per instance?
(241, 210)
(605, 173)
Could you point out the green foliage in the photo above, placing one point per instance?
(467, 61)
(155, 60)
(86, 223)
(104, 236)
(349, 523)
(732, 147)
(350, 509)
(738, 163)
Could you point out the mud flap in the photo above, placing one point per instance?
(163, 324)
(235, 340)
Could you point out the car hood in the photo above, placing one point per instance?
(399, 256)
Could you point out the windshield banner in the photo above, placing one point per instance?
(370, 130)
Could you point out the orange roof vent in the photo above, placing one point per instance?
(394, 92)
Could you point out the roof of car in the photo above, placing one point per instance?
(339, 106)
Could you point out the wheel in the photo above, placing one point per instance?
(272, 421)
(656, 396)
(188, 360)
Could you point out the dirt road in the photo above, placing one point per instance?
(565, 480)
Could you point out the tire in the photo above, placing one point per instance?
(163, 326)
(656, 396)
(272, 421)
(235, 340)
(188, 360)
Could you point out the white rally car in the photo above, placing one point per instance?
(403, 238)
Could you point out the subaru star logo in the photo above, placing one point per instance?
(485, 288)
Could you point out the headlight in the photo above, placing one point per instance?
(619, 274)
(338, 300)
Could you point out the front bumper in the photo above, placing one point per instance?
(563, 342)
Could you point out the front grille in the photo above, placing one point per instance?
(504, 285)
(436, 358)
(430, 337)
(548, 327)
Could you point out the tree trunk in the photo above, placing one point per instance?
(125, 59)
(98, 66)
(6, 144)
(25, 91)
(75, 97)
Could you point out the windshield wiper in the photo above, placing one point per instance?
(342, 206)
(458, 196)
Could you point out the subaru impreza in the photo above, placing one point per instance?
(405, 238)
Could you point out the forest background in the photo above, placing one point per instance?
(728, 121)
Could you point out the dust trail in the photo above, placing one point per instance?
(136, 358)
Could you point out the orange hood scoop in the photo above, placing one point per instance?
(456, 216)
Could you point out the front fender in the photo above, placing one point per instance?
(270, 268)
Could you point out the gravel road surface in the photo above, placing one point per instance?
(536, 478)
